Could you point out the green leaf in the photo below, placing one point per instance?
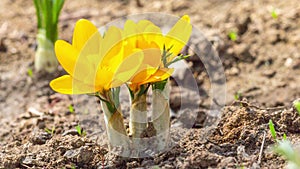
(274, 13)
(115, 96)
(79, 130)
(143, 90)
(297, 106)
(232, 35)
(71, 108)
(178, 58)
(37, 5)
(272, 129)
(130, 92)
(30, 72)
(160, 85)
(237, 95)
(284, 136)
(286, 149)
(110, 107)
(50, 131)
(47, 12)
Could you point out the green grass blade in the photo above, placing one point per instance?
(37, 6)
(50, 30)
(272, 129)
(57, 6)
(78, 128)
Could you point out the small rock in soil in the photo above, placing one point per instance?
(233, 71)
(40, 138)
(269, 73)
(72, 132)
(243, 53)
(83, 154)
(28, 161)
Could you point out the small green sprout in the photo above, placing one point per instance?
(240, 166)
(71, 108)
(272, 129)
(30, 72)
(274, 13)
(284, 136)
(232, 35)
(50, 131)
(80, 130)
(297, 106)
(237, 95)
(284, 148)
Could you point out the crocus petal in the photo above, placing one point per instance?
(130, 28)
(83, 30)
(91, 51)
(104, 78)
(89, 60)
(143, 75)
(159, 75)
(153, 35)
(152, 57)
(112, 41)
(127, 68)
(68, 56)
(179, 35)
(151, 62)
(143, 24)
(67, 85)
(152, 29)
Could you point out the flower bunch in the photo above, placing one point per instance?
(139, 56)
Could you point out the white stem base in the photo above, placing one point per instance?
(45, 59)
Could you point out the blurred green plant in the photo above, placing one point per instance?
(274, 13)
(232, 35)
(237, 95)
(272, 129)
(71, 108)
(47, 12)
(80, 130)
(297, 106)
(240, 166)
(285, 149)
(30, 72)
(50, 131)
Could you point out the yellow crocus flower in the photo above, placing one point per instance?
(94, 63)
(145, 35)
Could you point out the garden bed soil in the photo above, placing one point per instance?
(262, 65)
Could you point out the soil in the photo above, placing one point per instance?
(262, 65)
